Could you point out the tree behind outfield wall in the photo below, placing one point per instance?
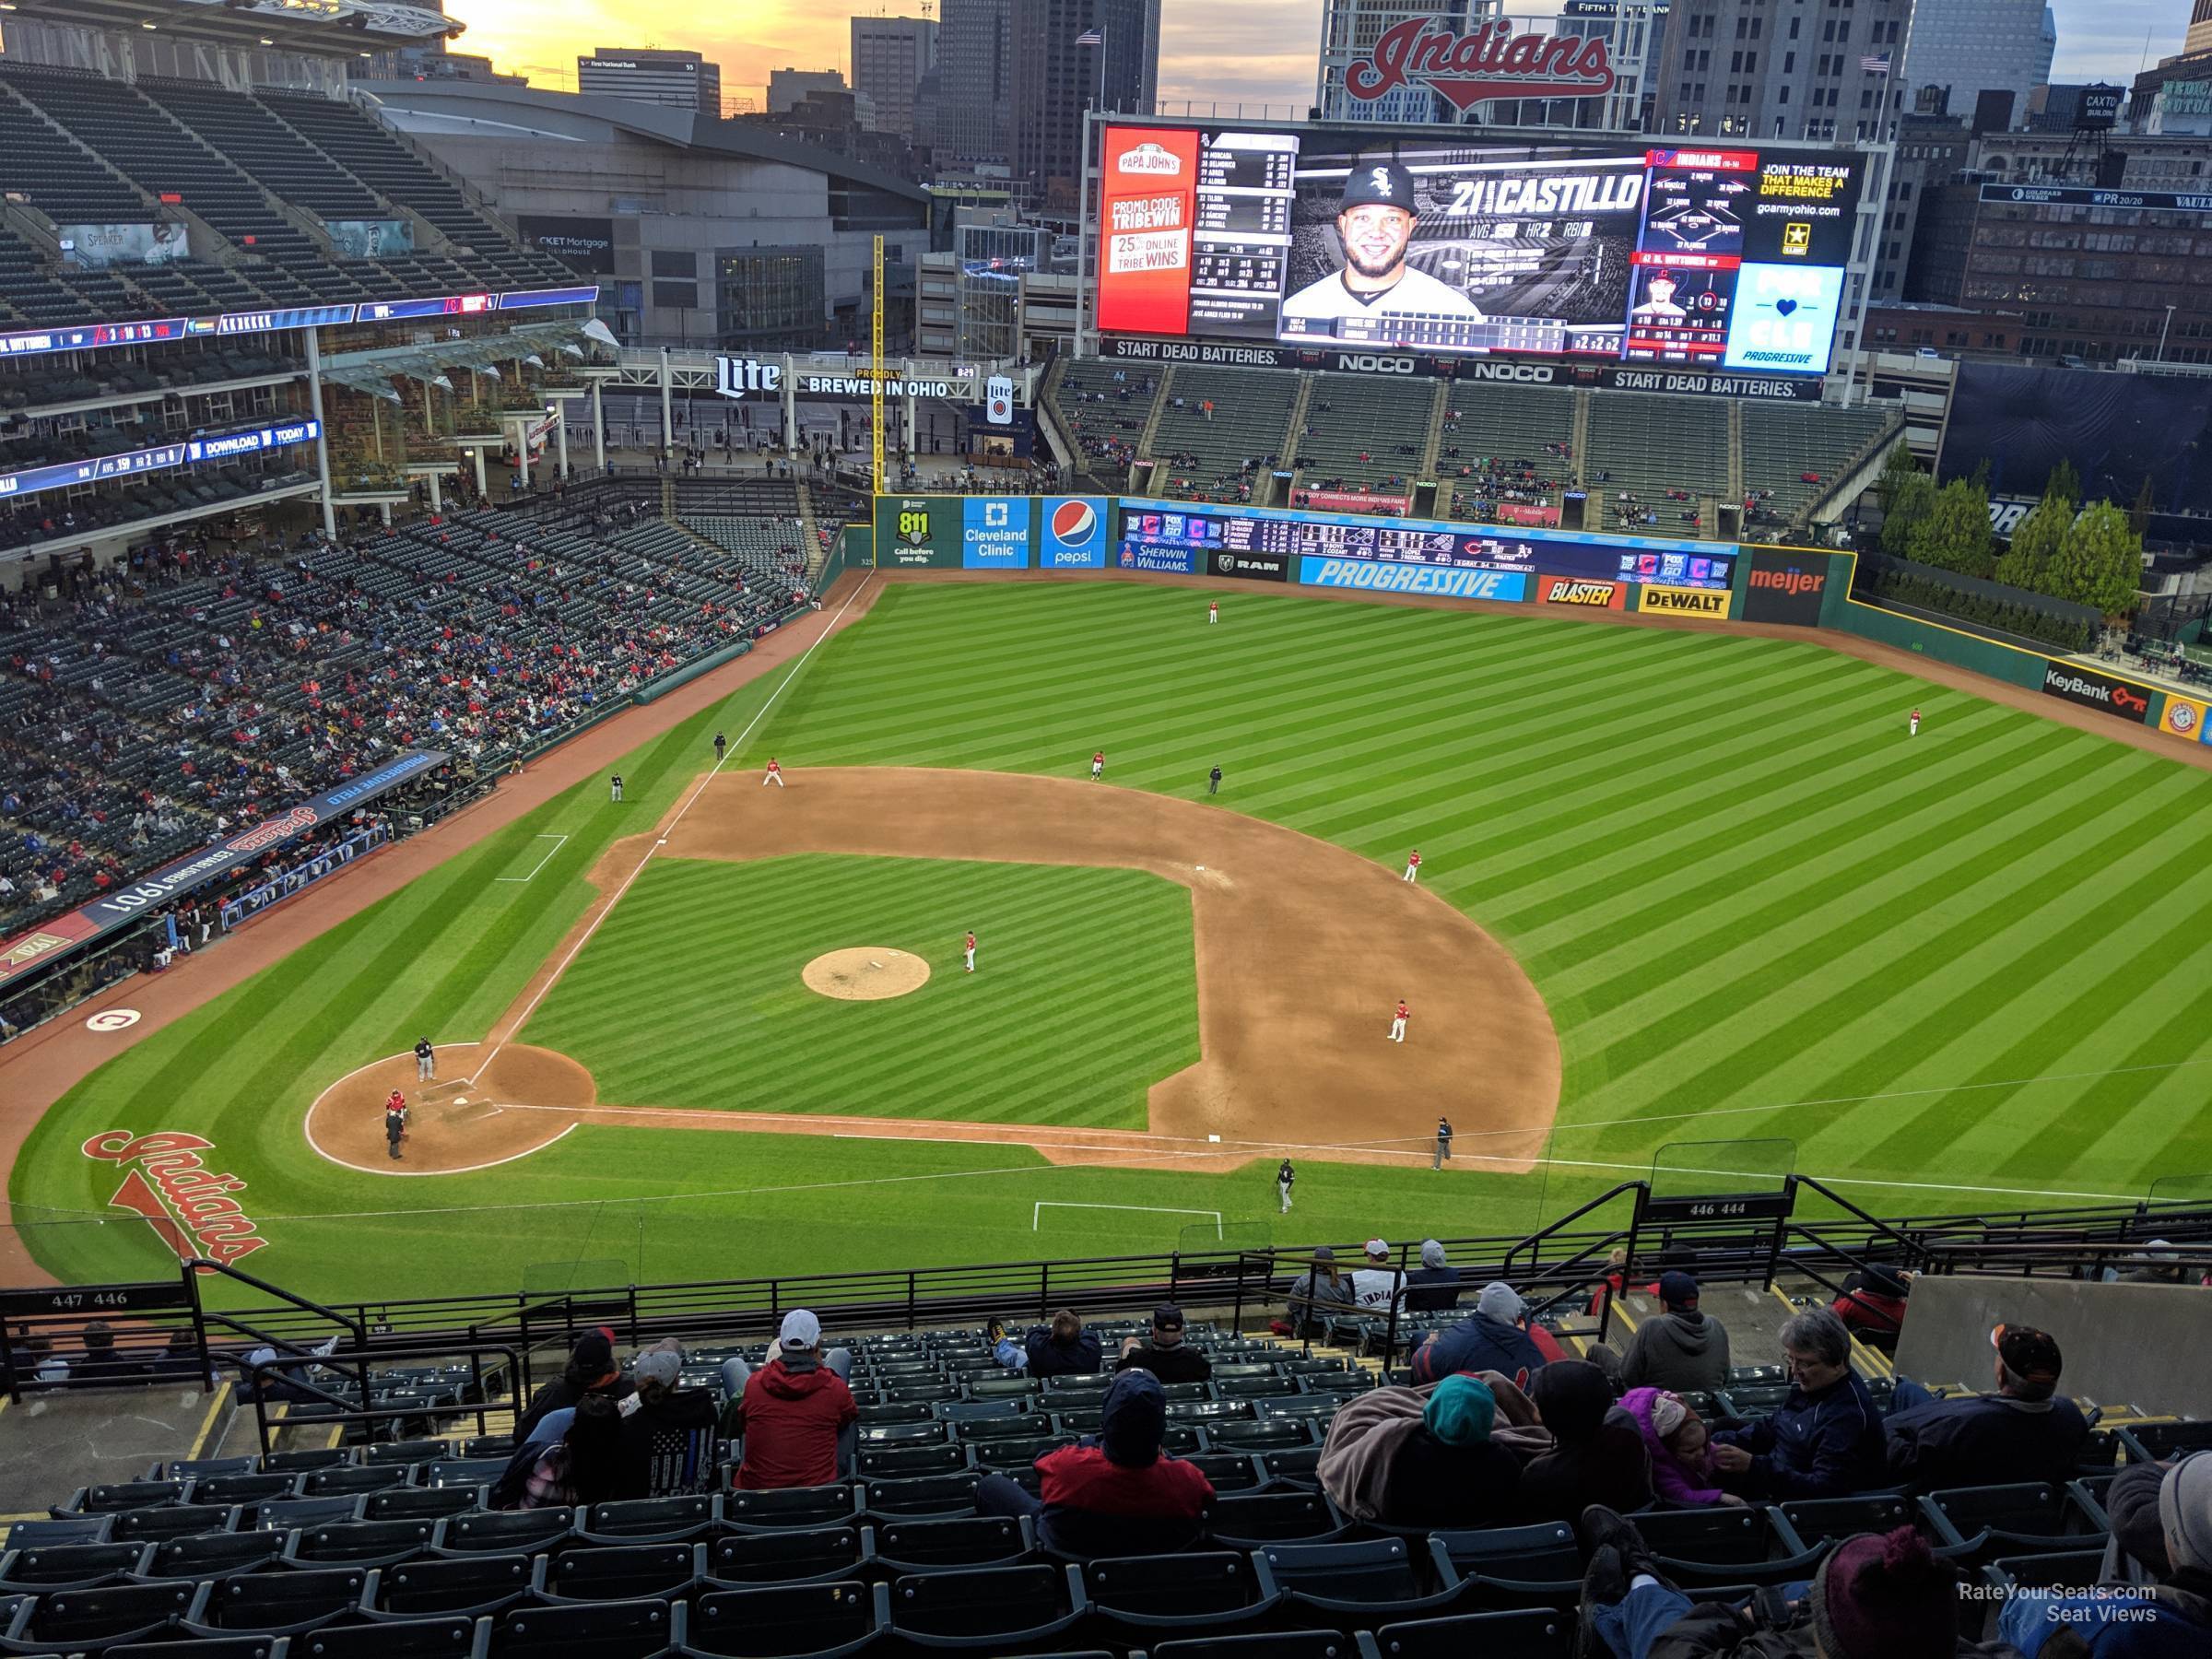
(1954, 534)
(2098, 562)
(2035, 542)
(1908, 495)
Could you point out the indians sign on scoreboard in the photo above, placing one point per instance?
(1432, 241)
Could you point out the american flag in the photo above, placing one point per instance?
(1090, 37)
(1876, 63)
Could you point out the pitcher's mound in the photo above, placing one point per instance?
(868, 973)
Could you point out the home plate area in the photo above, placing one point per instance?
(453, 1123)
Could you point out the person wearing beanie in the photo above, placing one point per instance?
(1115, 1493)
(1491, 1340)
(1680, 1349)
(667, 1440)
(1434, 1286)
(591, 1370)
(2154, 1597)
(1825, 1440)
(2025, 1430)
(795, 1415)
(1598, 1454)
(1875, 1596)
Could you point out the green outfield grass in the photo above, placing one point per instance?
(1967, 970)
(1095, 963)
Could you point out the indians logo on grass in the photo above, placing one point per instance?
(170, 1183)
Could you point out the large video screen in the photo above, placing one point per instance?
(1411, 239)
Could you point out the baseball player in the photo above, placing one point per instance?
(1374, 223)
(1444, 1143)
(1916, 726)
(1098, 765)
(775, 774)
(426, 1066)
(1213, 612)
(1213, 781)
(970, 948)
(614, 789)
(1413, 864)
(1397, 1022)
(720, 743)
(1284, 1176)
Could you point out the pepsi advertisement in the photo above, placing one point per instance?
(1071, 533)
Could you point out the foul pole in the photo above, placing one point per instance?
(875, 379)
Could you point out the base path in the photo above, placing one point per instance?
(1304, 950)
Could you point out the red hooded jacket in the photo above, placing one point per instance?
(790, 1420)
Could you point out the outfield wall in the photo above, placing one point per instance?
(1498, 564)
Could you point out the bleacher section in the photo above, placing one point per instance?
(1793, 453)
(1365, 434)
(1103, 408)
(1656, 455)
(1224, 456)
(1498, 443)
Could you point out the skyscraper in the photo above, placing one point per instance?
(1348, 31)
(1969, 47)
(890, 55)
(1742, 68)
(1056, 80)
(976, 80)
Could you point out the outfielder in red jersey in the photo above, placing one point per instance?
(1213, 612)
(972, 951)
(1916, 731)
(1098, 766)
(1397, 1023)
(1413, 864)
(775, 774)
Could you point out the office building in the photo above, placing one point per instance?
(678, 80)
(788, 87)
(1969, 47)
(1056, 82)
(1750, 69)
(890, 55)
(1348, 31)
(975, 82)
(1632, 32)
(2199, 38)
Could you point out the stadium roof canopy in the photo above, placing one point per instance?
(313, 27)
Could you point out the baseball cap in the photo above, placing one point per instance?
(2027, 1353)
(1167, 1317)
(1665, 276)
(659, 1365)
(1678, 1288)
(801, 1331)
(1377, 1247)
(1378, 182)
(1321, 1253)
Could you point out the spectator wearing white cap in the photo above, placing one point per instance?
(795, 1415)
(1378, 1283)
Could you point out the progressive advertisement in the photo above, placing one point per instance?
(1426, 241)
(2095, 690)
(1510, 586)
(1785, 588)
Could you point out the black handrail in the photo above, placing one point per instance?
(1529, 1242)
(255, 1373)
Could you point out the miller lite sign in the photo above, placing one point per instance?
(998, 400)
(1487, 62)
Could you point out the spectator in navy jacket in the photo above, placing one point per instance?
(1825, 1440)
(1114, 1493)
(1491, 1340)
(1064, 1348)
(1434, 1286)
(2026, 1430)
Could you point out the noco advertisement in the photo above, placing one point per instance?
(1425, 241)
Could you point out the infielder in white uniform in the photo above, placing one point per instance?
(1375, 223)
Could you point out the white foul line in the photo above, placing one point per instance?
(557, 840)
(760, 713)
(1036, 1216)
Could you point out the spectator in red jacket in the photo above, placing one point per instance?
(1115, 1493)
(795, 1415)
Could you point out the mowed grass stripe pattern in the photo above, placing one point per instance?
(1738, 880)
(1084, 992)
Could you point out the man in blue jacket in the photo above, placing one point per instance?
(1825, 1440)
(1491, 1340)
(1064, 1348)
(2026, 1430)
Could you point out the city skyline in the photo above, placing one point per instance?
(1229, 51)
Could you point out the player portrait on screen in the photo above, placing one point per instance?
(1659, 299)
(1374, 223)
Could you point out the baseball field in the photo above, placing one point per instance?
(1688, 897)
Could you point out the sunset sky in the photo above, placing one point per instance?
(1257, 50)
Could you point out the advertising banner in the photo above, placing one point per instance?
(1577, 590)
(1351, 501)
(2183, 717)
(96, 247)
(582, 244)
(1258, 566)
(2095, 690)
(1073, 533)
(1682, 602)
(918, 532)
(1787, 588)
(995, 533)
(1148, 209)
(1373, 576)
(1167, 560)
(172, 881)
(372, 239)
(1523, 513)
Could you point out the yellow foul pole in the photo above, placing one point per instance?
(876, 377)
